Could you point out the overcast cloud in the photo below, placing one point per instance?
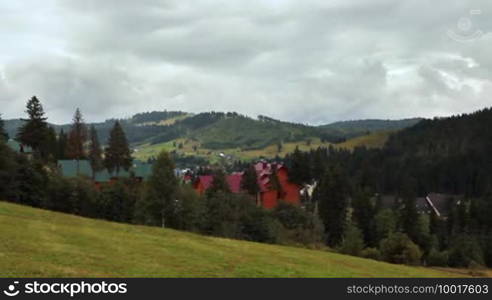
(305, 61)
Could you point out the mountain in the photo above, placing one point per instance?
(237, 135)
(61, 245)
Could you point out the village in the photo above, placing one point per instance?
(269, 194)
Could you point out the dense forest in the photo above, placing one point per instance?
(449, 156)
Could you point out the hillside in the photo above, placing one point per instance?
(38, 243)
(358, 127)
(231, 133)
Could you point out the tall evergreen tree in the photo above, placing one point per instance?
(249, 182)
(3, 134)
(35, 129)
(333, 197)
(77, 138)
(95, 153)
(51, 144)
(117, 154)
(157, 206)
(219, 183)
(62, 145)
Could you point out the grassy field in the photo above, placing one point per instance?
(38, 243)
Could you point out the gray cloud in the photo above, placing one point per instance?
(304, 61)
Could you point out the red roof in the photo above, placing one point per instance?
(234, 181)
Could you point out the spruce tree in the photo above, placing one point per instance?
(249, 182)
(62, 145)
(157, 206)
(35, 129)
(77, 138)
(95, 153)
(117, 155)
(3, 134)
(219, 184)
(333, 197)
(50, 145)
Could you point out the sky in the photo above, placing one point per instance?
(306, 61)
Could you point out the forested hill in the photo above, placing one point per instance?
(218, 130)
(466, 134)
(356, 127)
(446, 155)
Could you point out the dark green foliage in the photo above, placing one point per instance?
(77, 137)
(385, 224)
(363, 215)
(62, 145)
(117, 154)
(3, 133)
(398, 248)
(371, 253)
(465, 251)
(249, 182)
(437, 258)
(299, 171)
(34, 130)
(300, 226)
(352, 242)
(95, 152)
(159, 200)
(219, 183)
(118, 201)
(189, 210)
(333, 197)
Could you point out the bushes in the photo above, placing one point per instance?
(371, 253)
(352, 242)
(438, 258)
(399, 249)
(298, 225)
(465, 251)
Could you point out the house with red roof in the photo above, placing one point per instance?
(272, 190)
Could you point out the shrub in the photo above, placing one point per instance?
(352, 242)
(371, 253)
(465, 251)
(438, 258)
(299, 225)
(398, 248)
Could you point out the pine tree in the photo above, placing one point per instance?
(249, 182)
(117, 154)
(95, 153)
(3, 134)
(77, 138)
(62, 145)
(50, 145)
(157, 206)
(219, 184)
(35, 129)
(333, 197)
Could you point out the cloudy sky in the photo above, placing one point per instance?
(305, 61)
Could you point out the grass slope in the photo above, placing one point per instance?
(39, 243)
